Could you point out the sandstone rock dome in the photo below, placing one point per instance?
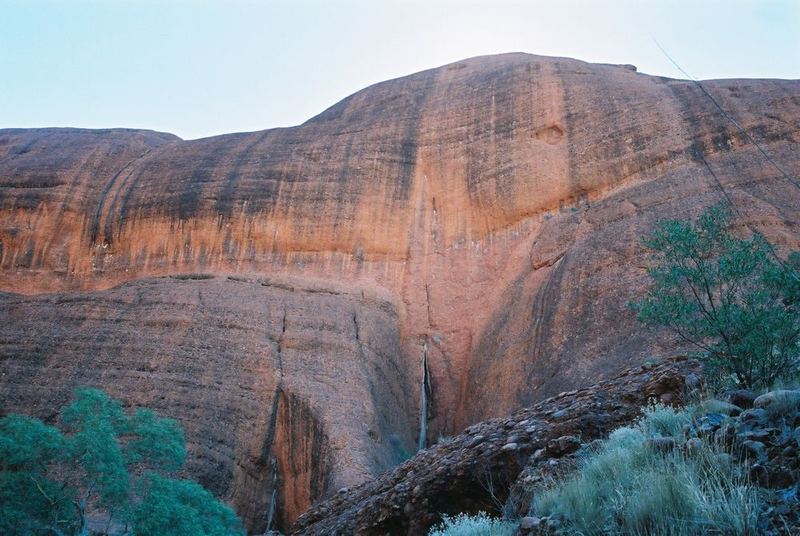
(472, 228)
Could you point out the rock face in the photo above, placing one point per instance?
(255, 370)
(485, 214)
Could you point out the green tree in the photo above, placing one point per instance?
(103, 462)
(32, 500)
(730, 297)
(179, 508)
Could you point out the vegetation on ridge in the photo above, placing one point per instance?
(479, 524)
(640, 481)
(709, 468)
(734, 299)
(702, 469)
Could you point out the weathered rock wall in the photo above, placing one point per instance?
(307, 375)
(496, 204)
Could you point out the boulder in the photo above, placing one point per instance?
(779, 399)
(742, 398)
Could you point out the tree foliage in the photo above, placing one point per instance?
(32, 501)
(179, 508)
(732, 298)
(102, 462)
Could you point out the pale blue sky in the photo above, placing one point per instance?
(197, 68)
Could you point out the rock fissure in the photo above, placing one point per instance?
(425, 394)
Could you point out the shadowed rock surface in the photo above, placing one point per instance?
(255, 371)
(473, 471)
(489, 210)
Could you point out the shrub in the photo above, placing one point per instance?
(664, 421)
(50, 479)
(477, 525)
(731, 298)
(629, 486)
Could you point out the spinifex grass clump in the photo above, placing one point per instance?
(646, 479)
(477, 525)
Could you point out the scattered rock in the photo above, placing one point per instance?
(694, 444)
(754, 416)
(693, 382)
(529, 522)
(790, 398)
(723, 458)
(755, 435)
(726, 434)
(718, 406)
(563, 445)
(753, 450)
(741, 397)
(666, 398)
(759, 474)
(474, 441)
(708, 424)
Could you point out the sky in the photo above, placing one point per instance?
(199, 67)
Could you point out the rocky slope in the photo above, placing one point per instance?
(754, 439)
(499, 465)
(475, 226)
(476, 469)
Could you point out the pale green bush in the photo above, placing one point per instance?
(477, 525)
(664, 421)
(629, 487)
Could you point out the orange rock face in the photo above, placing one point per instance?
(489, 211)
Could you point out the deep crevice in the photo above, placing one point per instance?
(425, 393)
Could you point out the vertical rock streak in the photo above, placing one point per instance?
(425, 393)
